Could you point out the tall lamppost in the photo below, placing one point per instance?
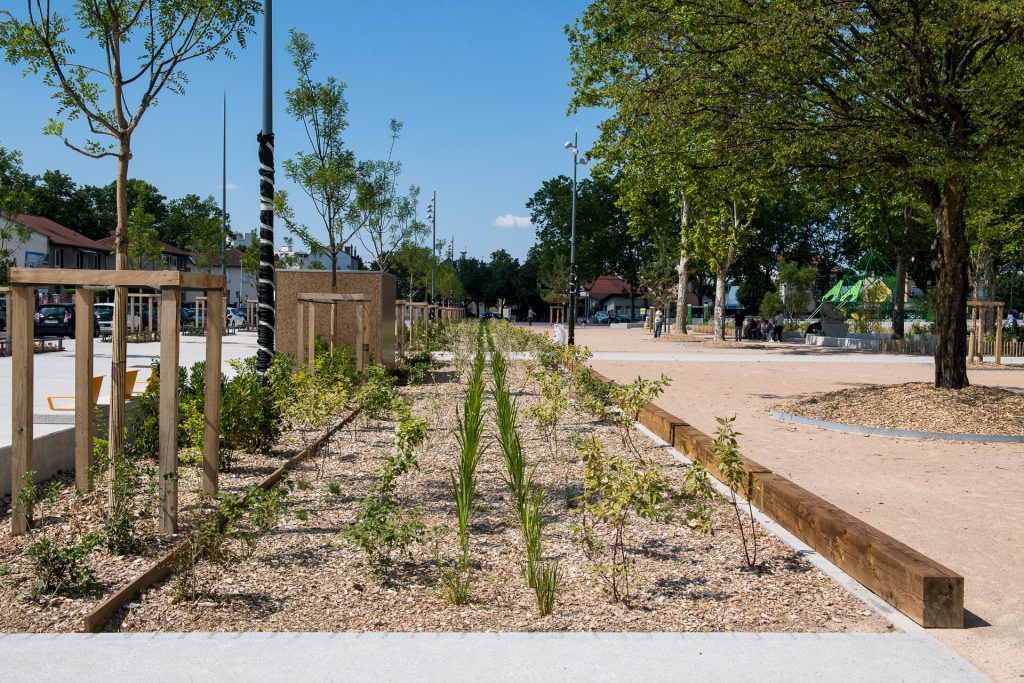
(577, 160)
(432, 217)
(265, 287)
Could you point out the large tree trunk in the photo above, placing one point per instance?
(684, 265)
(950, 257)
(720, 292)
(119, 324)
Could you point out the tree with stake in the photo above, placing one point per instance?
(167, 34)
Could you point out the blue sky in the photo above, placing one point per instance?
(480, 86)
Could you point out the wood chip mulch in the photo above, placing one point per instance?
(919, 406)
(303, 577)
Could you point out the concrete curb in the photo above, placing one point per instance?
(897, 433)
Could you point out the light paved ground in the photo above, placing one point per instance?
(479, 657)
(54, 372)
(957, 502)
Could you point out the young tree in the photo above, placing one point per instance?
(166, 34)
(144, 248)
(327, 172)
(387, 218)
(195, 224)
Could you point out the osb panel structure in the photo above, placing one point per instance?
(380, 287)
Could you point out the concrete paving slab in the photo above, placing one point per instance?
(479, 657)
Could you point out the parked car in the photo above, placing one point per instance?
(601, 318)
(58, 320)
(104, 314)
(235, 318)
(622, 317)
(188, 315)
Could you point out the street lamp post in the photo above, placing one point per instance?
(432, 217)
(577, 160)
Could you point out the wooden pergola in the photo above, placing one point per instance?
(251, 313)
(305, 329)
(170, 283)
(137, 301)
(420, 313)
(974, 343)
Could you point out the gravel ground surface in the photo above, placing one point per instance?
(918, 406)
(303, 578)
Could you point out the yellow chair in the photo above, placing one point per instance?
(130, 376)
(97, 382)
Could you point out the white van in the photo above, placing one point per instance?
(105, 314)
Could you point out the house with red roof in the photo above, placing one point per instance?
(51, 245)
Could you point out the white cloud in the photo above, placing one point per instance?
(232, 186)
(509, 220)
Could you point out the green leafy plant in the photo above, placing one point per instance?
(615, 491)
(229, 536)
(378, 396)
(250, 419)
(631, 399)
(63, 569)
(131, 488)
(383, 528)
(730, 464)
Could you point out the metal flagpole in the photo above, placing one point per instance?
(265, 286)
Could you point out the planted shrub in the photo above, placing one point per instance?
(63, 569)
(615, 491)
(383, 528)
(250, 420)
(378, 395)
(631, 399)
(132, 489)
(730, 464)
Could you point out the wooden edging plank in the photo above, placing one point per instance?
(923, 589)
(97, 619)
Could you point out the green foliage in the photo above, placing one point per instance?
(131, 487)
(383, 528)
(229, 536)
(413, 367)
(378, 396)
(614, 491)
(730, 464)
(250, 419)
(631, 399)
(63, 569)
(469, 434)
(797, 283)
(771, 304)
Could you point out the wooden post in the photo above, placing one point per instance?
(359, 336)
(211, 405)
(971, 339)
(149, 313)
(83, 387)
(311, 337)
(399, 327)
(300, 333)
(168, 483)
(333, 324)
(20, 339)
(999, 335)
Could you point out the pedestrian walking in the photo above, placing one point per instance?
(530, 315)
(779, 322)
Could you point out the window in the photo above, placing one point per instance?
(58, 258)
(171, 261)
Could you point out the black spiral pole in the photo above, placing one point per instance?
(265, 274)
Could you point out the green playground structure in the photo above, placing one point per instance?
(866, 291)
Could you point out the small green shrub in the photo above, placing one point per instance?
(730, 464)
(250, 420)
(383, 528)
(378, 396)
(63, 569)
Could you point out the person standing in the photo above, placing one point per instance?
(659, 319)
(530, 315)
(779, 322)
(738, 318)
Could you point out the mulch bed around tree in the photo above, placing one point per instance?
(918, 406)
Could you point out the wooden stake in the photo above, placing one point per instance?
(311, 336)
(999, 335)
(300, 333)
(21, 335)
(211, 409)
(83, 387)
(168, 484)
(359, 336)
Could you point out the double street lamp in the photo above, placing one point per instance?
(577, 161)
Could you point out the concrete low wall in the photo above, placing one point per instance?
(843, 342)
(51, 453)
